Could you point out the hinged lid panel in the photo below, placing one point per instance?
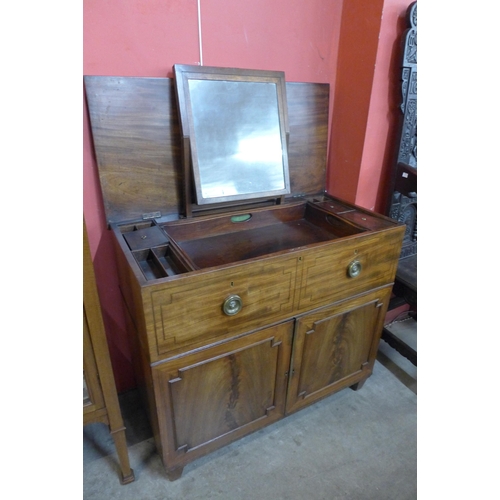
(137, 140)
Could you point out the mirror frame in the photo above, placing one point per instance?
(183, 74)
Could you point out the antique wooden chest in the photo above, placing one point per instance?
(251, 293)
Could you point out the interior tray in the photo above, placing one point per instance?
(220, 240)
(159, 262)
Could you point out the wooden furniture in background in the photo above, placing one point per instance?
(403, 195)
(100, 400)
(244, 315)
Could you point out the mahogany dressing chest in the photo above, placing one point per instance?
(250, 292)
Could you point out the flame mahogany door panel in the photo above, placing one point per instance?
(211, 397)
(335, 348)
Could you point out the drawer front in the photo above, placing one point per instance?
(189, 313)
(325, 271)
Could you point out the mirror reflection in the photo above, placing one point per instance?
(238, 147)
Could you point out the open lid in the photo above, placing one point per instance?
(139, 148)
(235, 126)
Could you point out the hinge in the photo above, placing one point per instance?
(151, 215)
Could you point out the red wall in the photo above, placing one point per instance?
(366, 98)
(304, 39)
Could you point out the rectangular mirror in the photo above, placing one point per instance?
(236, 123)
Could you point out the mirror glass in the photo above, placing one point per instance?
(237, 137)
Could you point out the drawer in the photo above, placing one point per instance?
(325, 270)
(188, 313)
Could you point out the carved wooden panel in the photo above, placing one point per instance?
(408, 144)
(216, 395)
(180, 318)
(403, 191)
(404, 209)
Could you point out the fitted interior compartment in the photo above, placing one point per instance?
(143, 236)
(160, 262)
(232, 238)
(352, 214)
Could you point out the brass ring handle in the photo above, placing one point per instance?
(354, 269)
(232, 305)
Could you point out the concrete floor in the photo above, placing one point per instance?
(350, 446)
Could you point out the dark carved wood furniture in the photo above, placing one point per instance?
(403, 189)
(100, 400)
(247, 311)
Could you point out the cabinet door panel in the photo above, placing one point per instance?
(335, 348)
(211, 397)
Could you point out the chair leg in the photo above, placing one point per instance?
(127, 474)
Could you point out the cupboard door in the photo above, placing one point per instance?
(212, 397)
(335, 347)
